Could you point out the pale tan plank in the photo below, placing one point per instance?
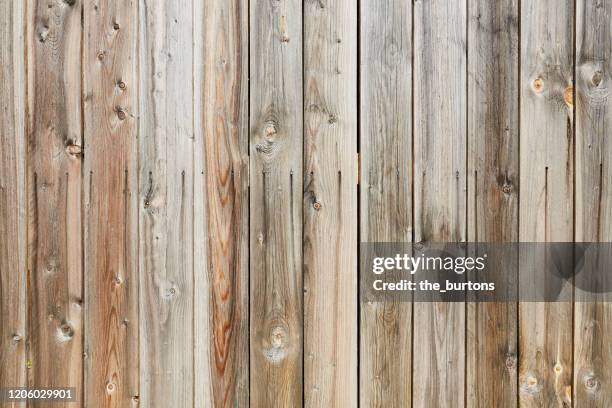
(546, 204)
(440, 142)
(110, 203)
(330, 204)
(593, 319)
(386, 203)
(276, 141)
(166, 203)
(54, 196)
(493, 164)
(13, 206)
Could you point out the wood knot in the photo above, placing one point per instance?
(116, 26)
(117, 280)
(332, 119)
(121, 85)
(16, 338)
(538, 85)
(510, 363)
(110, 387)
(101, 56)
(67, 330)
(121, 113)
(558, 368)
(73, 149)
(597, 77)
(507, 188)
(278, 337)
(317, 206)
(568, 96)
(591, 383)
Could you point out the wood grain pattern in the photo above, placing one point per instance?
(385, 197)
(440, 136)
(546, 199)
(54, 196)
(111, 200)
(166, 203)
(13, 206)
(493, 169)
(330, 204)
(276, 144)
(593, 219)
(224, 316)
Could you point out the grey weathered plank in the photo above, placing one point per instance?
(493, 170)
(593, 319)
(275, 174)
(330, 204)
(222, 373)
(13, 267)
(110, 203)
(385, 185)
(440, 137)
(54, 195)
(166, 203)
(546, 182)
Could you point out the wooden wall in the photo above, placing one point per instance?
(184, 184)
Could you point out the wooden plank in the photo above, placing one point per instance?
(54, 196)
(440, 142)
(385, 199)
(222, 365)
(111, 200)
(276, 140)
(546, 204)
(13, 265)
(330, 204)
(166, 197)
(493, 164)
(593, 319)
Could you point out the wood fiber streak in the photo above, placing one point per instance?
(493, 165)
(110, 203)
(593, 317)
(546, 194)
(54, 196)
(224, 316)
(440, 196)
(330, 204)
(13, 206)
(386, 203)
(276, 145)
(166, 202)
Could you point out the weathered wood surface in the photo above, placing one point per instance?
(546, 193)
(54, 157)
(493, 169)
(330, 204)
(110, 100)
(13, 205)
(593, 220)
(276, 179)
(222, 370)
(181, 203)
(166, 200)
(385, 192)
(440, 196)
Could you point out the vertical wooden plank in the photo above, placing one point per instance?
(330, 204)
(166, 203)
(12, 197)
(275, 175)
(385, 199)
(54, 195)
(493, 170)
(593, 319)
(111, 199)
(546, 198)
(440, 142)
(222, 319)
